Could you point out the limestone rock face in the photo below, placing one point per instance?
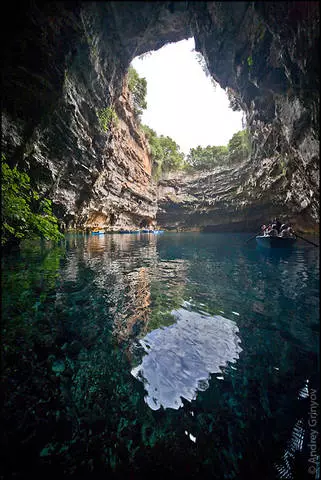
(65, 62)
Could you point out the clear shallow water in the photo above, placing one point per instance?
(182, 354)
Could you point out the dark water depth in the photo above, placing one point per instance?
(187, 355)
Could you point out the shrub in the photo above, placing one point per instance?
(138, 87)
(23, 213)
(107, 116)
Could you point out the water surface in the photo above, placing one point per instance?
(187, 354)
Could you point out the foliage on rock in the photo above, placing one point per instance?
(207, 158)
(138, 87)
(107, 117)
(239, 147)
(165, 153)
(23, 213)
(200, 158)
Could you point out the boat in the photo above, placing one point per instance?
(129, 231)
(152, 231)
(275, 242)
(99, 232)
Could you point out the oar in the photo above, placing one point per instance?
(302, 238)
(253, 237)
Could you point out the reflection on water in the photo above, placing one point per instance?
(180, 357)
(80, 318)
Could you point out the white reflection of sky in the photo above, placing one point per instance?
(180, 357)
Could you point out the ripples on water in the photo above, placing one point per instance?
(180, 357)
(184, 353)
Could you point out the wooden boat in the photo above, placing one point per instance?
(275, 242)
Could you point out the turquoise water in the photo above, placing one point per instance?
(184, 354)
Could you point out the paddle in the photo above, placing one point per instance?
(253, 237)
(302, 238)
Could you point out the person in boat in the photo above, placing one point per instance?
(273, 232)
(284, 232)
(277, 224)
(287, 231)
(290, 231)
(263, 228)
(267, 229)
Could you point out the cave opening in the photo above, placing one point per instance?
(184, 102)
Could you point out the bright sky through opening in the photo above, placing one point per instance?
(182, 103)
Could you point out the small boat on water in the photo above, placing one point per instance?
(152, 231)
(268, 241)
(98, 232)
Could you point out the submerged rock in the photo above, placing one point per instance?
(58, 366)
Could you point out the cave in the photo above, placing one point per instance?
(73, 407)
(66, 61)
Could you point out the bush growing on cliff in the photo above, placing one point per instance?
(138, 87)
(23, 213)
(106, 117)
(165, 153)
(239, 147)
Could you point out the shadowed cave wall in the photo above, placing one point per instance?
(66, 61)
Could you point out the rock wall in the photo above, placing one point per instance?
(267, 53)
(232, 198)
(95, 178)
(66, 61)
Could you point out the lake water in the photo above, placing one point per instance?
(184, 354)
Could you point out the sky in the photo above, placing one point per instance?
(182, 102)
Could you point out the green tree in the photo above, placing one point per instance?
(23, 213)
(173, 158)
(239, 146)
(138, 88)
(207, 158)
(156, 151)
(165, 153)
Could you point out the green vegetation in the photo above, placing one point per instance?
(23, 213)
(138, 88)
(239, 147)
(107, 117)
(165, 153)
(250, 61)
(207, 158)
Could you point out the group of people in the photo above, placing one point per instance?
(275, 229)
